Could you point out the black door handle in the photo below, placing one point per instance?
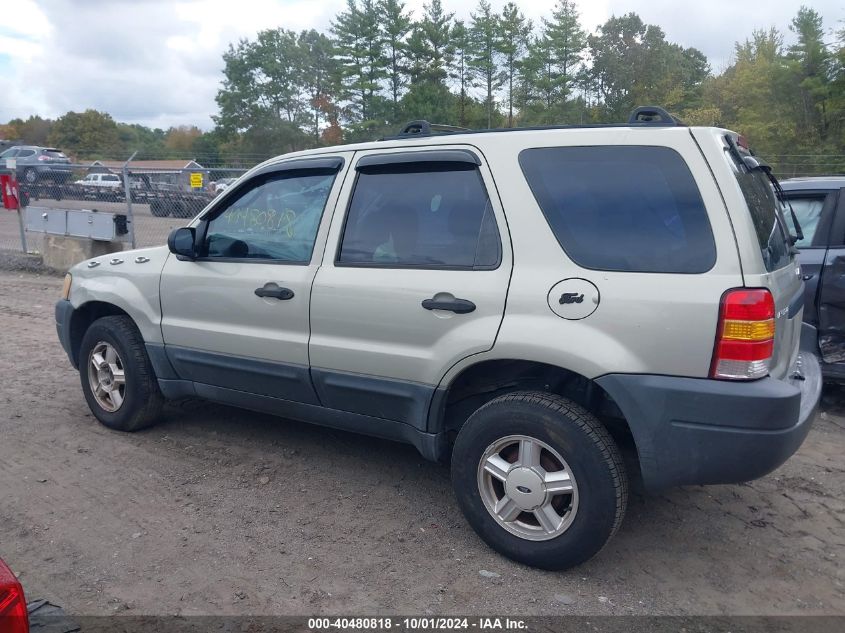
(807, 277)
(274, 291)
(458, 306)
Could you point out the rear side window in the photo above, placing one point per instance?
(54, 153)
(420, 215)
(622, 208)
(764, 208)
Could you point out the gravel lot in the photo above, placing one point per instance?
(219, 511)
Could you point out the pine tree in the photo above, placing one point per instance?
(396, 26)
(811, 63)
(463, 73)
(514, 33)
(430, 45)
(484, 30)
(359, 47)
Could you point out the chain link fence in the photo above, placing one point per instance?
(156, 196)
(148, 198)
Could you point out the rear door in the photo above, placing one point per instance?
(815, 210)
(831, 294)
(413, 280)
(236, 317)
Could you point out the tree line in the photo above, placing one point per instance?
(379, 66)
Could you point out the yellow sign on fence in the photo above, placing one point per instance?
(196, 180)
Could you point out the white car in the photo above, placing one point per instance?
(100, 180)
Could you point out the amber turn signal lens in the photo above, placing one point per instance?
(66, 286)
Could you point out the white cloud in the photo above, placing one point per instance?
(158, 62)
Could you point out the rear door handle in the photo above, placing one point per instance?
(807, 277)
(458, 306)
(274, 291)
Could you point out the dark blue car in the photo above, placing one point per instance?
(819, 204)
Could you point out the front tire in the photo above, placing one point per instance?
(117, 377)
(539, 479)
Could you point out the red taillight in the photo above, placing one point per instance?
(13, 617)
(43, 157)
(745, 335)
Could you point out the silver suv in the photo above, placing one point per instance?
(527, 303)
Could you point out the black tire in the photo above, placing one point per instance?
(587, 448)
(142, 399)
(158, 209)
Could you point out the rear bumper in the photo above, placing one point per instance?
(699, 431)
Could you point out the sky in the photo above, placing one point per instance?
(159, 62)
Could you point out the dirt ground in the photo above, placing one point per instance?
(219, 511)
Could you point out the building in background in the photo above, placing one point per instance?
(160, 174)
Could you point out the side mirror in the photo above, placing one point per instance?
(182, 242)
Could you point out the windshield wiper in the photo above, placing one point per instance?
(753, 163)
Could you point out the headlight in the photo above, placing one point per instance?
(66, 286)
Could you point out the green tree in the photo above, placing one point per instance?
(320, 77)
(262, 82)
(32, 131)
(463, 73)
(812, 65)
(484, 30)
(633, 64)
(430, 46)
(89, 134)
(360, 50)
(513, 37)
(396, 27)
(553, 65)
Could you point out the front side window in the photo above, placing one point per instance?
(622, 208)
(275, 218)
(421, 215)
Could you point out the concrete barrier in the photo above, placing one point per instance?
(60, 252)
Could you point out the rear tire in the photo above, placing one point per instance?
(117, 377)
(30, 176)
(539, 479)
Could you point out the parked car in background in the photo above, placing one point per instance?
(100, 180)
(38, 163)
(223, 184)
(819, 204)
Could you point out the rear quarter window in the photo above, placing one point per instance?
(622, 208)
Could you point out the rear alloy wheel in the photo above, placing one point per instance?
(527, 487)
(30, 176)
(539, 479)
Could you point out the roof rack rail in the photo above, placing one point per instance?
(424, 128)
(653, 115)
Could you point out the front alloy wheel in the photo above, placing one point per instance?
(106, 376)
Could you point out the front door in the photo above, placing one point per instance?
(237, 316)
(414, 279)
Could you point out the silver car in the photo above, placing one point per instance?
(527, 303)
